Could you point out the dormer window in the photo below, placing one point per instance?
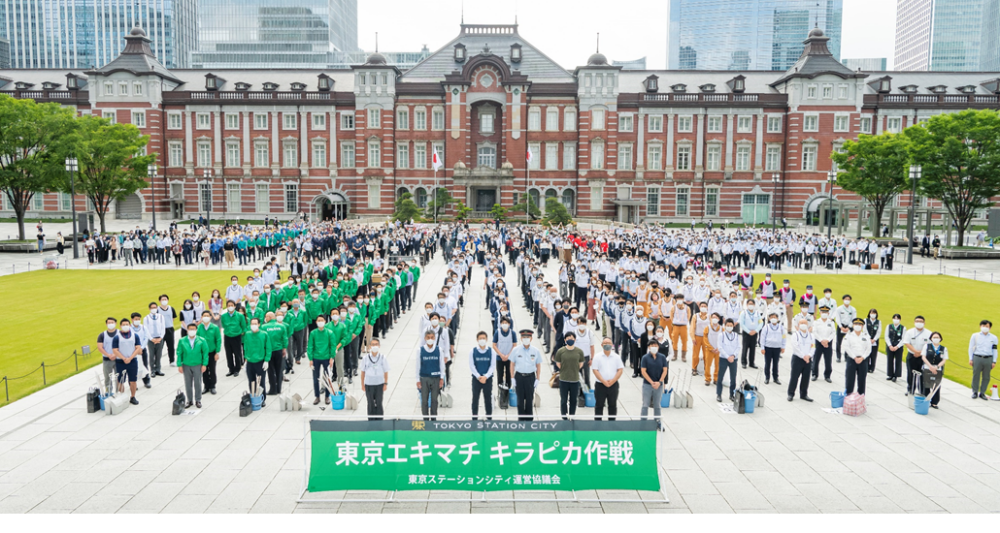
(459, 53)
(515, 53)
(909, 89)
(72, 82)
(938, 89)
(49, 86)
(213, 82)
(270, 86)
(297, 86)
(707, 88)
(679, 88)
(242, 86)
(738, 84)
(652, 83)
(325, 82)
(967, 89)
(23, 86)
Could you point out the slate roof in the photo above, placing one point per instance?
(137, 58)
(817, 59)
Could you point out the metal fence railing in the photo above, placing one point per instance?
(45, 368)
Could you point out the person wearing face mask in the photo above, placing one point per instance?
(982, 358)
(105, 342)
(873, 327)
(444, 343)
(192, 361)
(729, 351)
(654, 367)
(803, 350)
(699, 349)
(844, 317)
(710, 348)
(319, 352)
(915, 339)
(188, 316)
(786, 297)
(277, 332)
(126, 346)
(772, 343)
(527, 362)
(257, 348)
(234, 292)
(680, 318)
(857, 348)
(608, 369)
(503, 345)
(234, 325)
(155, 328)
(894, 333)
(637, 328)
(934, 357)
(430, 373)
(803, 314)
(809, 300)
(212, 336)
(482, 364)
(168, 314)
(375, 378)
(569, 361)
(751, 321)
(143, 340)
(296, 320)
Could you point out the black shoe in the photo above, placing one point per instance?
(814, 378)
(752, 366)
(718, 398)
(355, 373)
(694, 372)
(974, 396)
(148, 386)
(888, 378)
(198, 405)
(744, 365)
(838, 359)
(828, 380)
(229, 374)
(188, 405)
(159, 373)
(767, 380)
(237, 374)
(983, 397)
(790, 397)
(934, 406)
(213, 390)
(287, 380)
(133, 401)
(893, 380)
(350, 380)
(806, 398)
(776, 381)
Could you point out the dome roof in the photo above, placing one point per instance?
(597, 59)
(815, 32)
(137, 32)
(376, 59)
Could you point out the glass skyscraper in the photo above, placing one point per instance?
(90, 33)
(747, 34)
(274, 33)
(948, 35)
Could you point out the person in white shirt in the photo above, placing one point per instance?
(824, 333)
(857, 349)
(915, 339)
(375, 375)
(803, 350)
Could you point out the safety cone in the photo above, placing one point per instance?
(995, 397)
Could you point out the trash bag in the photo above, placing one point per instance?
(178, 405)
(245, 406)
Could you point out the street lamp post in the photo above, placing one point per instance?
(915, 171)
(774, 193)
(152, 185)
(831, 178)
(208, 179)
(71, 167)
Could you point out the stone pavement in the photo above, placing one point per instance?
(785, 457)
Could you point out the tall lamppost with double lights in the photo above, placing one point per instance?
(775, 178)
(831, 178)
(208, 201)
(152, 184)
(915, 172)
(71, 167)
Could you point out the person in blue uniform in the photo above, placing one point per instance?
(527, 362)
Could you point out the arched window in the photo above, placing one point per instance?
(533, 194)
(400, 192)
(421, 197)
(568, 199)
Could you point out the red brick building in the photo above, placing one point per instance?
(628, 145)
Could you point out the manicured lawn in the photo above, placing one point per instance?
(49, 313)
(950, 305)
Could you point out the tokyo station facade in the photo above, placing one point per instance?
(609, 144)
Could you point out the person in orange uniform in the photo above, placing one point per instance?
(680, 318)
(699, 325)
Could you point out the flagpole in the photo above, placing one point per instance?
(527, 199)
(435, 192)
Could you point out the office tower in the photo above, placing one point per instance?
(947, 35)
(866, 64)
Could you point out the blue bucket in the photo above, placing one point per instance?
(513, 398)
(665, 399)
(337, 401)
(921, 404)
(836, 399)
(255, 402)
(102, 396)
(749, 401)
(589, 398)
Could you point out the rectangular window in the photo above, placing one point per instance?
(205, 196)
(654, 157)
(714, 156)
(681, 210)
(110, 116)
(123, 88)
(744, 124)
(374, 154)
(203, 121)
(534, 119)
(841, 123)
(683, 158)
(828, 91)
(233, 154)
(684, 124)
(439, 148)
(596, 155)
(347, 154)
(319, 121)
(552, 119)
(866, 125)
(109, 88)
(569, 156)
(420, 119)
(487, 157)
(653, 202)
(403, 155)
(177, 190)
(233, 199)
(437, 119)
(552, 156)
(625, 122)
(773, 161)
(65, 201)
(420, 155)
(173, 121)
(347, 121)
(811, 91)
(374, 119)
(403, 119)
(139, 119)
(204, 154)
(319, 154)
(260, 121)
(261, 198)
(655, 123)
(774, 124)
(38, 202)
(743, 158)
(291, 152)
(176, 155)
(536, 156)
(712, 202)
(810, 123)
(289, 121)
(260, 155)
(291, 198)
(569, 120)
(597, 119)
(714, 125)
(137, 88)
(624, 156)
(809, 157)
(232, 121)
(842, 92)
(486, 123)
(894, 124)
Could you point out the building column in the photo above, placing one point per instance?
(247, 144)
(188, 144)
(758, 150)
(217, 156)
(669, 148)
(275, 143)
(729, 146)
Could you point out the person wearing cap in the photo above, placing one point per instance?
(809, 300)
(982, 358)
(845, 316)
(857, 349)
(803, 350)
(527, 371)
(823, 333)
(805, 314)
(786, 296)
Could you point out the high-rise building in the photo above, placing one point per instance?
(4, 53)
(90, 33)
(747, 34)
(947, 35)
(866, 64)
(632, 64)
(274, 33)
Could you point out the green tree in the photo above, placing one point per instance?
(406, 208)
(960, 158)
(499, 212)
(556, 213)
(527, 203)
(30, 156)
(874, 168)
(442, 199)
(112, 164)
(462, 211)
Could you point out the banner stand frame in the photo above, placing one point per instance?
(392, 494)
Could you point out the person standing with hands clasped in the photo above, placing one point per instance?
(933, 369)
(750, 323)
(192, 361)
(824, 331)
(375, 377)
(894, 348)
(482, 363)
(982, 358)
(873, 326)
(430, 373)
(126, 346)
(654, 368)
(845, 316)
(772, 346)
(608, 369)
(729, 350)
(569, 361)
(857, 349)
(527, 369)
(915, 339)
(803, 349)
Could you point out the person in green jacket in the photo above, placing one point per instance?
(234, 324)
(254, 309)
(296, 318)
(256, 349)
(213, 339)
(192, 359)
(341, 336)
(321, 343)
(314, 308)
(279, 334)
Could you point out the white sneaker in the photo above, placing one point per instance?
(173, 364)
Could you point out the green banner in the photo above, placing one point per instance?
(470, 455)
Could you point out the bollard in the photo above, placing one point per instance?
(76, 361)
(973, 275)
(959, 271)
(43, 373)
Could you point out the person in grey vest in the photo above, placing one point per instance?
(375, 376)
(430, 373)
(503, 345)
(482, 364)
(105, 342)
(126, 346)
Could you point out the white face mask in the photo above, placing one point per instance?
(320, 325)
(895, 321)
(729, 329)
(195, 298)
(918, 325)
(985, 330)
(280, 318)
(653, 350)
(824, 315)
(374, 350)
(254, 327)
(482, 343)
(574, 316)
(111, 327)
(206, 319)
(163, 302)
(857, 328)
(137, 323)
(526, 342)
(504, 327)
(750, 308)
(804, 327)
(234, 283)
(430, 342)
(434, 323)
(847, 302)
(936, 341)
(715, 321)
(125, 329)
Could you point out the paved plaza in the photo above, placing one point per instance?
(786, 457)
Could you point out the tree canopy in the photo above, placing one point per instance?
(875, 168)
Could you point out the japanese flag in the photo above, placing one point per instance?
(436, 163)
(528, 157)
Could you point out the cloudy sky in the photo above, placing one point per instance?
(565, 30)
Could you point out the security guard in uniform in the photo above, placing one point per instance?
(527, 371)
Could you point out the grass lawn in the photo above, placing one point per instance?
(950, 305)
(68, 309)
(13, 220)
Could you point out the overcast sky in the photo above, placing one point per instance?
(565, 30)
